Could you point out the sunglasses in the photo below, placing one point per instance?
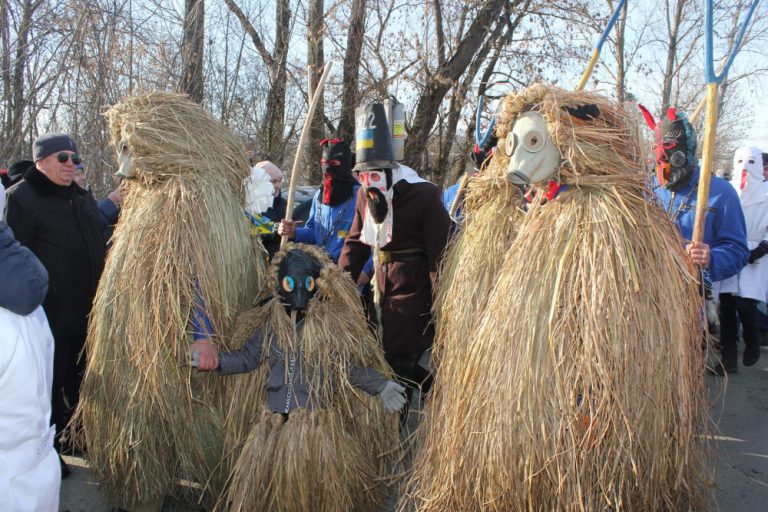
(63, 157)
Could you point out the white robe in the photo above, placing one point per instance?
(30, 474)
(752, 281)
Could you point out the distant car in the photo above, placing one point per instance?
(302, 201)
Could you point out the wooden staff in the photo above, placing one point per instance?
(300, 151)
(710, 126)
(598, 48)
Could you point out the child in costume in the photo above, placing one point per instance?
(311, 342)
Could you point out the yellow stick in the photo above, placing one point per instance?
(300, 150)
(707, 157)
(590, 68)
(698, 110)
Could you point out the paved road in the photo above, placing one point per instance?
(739, 411)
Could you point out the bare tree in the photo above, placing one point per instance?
(192, 50)
(350, 80)
(316, 61)
(445, 76)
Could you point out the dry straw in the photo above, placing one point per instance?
(581, 385)
(333, 458)
(147, 418)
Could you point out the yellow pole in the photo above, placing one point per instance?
(707, 158)
(590, 68)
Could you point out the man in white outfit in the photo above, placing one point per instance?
(30, 475)
(740, 294)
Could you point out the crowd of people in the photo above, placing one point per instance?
(373, 217)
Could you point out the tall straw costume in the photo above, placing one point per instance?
(182, 240)
(331, 457)
(581, 387)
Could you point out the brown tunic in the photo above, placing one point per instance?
(419, 222)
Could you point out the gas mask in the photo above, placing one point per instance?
(673, 149)
(336, 162)
(670, 151)
(297, 280)
(533, 157)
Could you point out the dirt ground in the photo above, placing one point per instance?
(739, 413)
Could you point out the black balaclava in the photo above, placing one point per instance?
(338, 181)
(297, 280)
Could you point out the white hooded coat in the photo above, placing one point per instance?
(30, 475)
(747, 179)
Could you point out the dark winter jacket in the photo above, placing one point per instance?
(23, 279)
(61, 226)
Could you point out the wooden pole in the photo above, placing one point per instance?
(302, 141)
(707, 158)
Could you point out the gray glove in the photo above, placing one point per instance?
(392, 396)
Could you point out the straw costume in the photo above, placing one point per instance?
(318, 442)
(182, 245)
(581, 386)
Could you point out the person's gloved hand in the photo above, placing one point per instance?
(377, 204)
(392, 396)
(758, 252)
(204, 355)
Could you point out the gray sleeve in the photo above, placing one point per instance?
(367, 379)
(244, 359)
(23, 279)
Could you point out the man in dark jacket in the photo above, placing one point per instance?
(59, 222)
(399, 217)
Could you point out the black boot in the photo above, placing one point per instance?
(751, 354)
(728, 364)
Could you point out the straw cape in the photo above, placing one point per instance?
(581, 384)
(147, 418)
(335, 458)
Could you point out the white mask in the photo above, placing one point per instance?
(747, 177)
(375, 179)
(533, 157)
(125, 162)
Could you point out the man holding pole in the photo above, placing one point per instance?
(723, 251)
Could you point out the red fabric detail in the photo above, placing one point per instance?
(744, 175)
(553, 189)
(330, 142)
(327, 184)
(476, 149)
(671, 113)
(648, 117)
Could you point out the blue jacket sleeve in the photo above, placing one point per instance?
(109, 213)
(23, 279)
(368, 268)
(729, 252)
(306, 233)
(202, 327)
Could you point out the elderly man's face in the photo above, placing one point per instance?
(59, 167)
(80, 178)
(277, 182)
